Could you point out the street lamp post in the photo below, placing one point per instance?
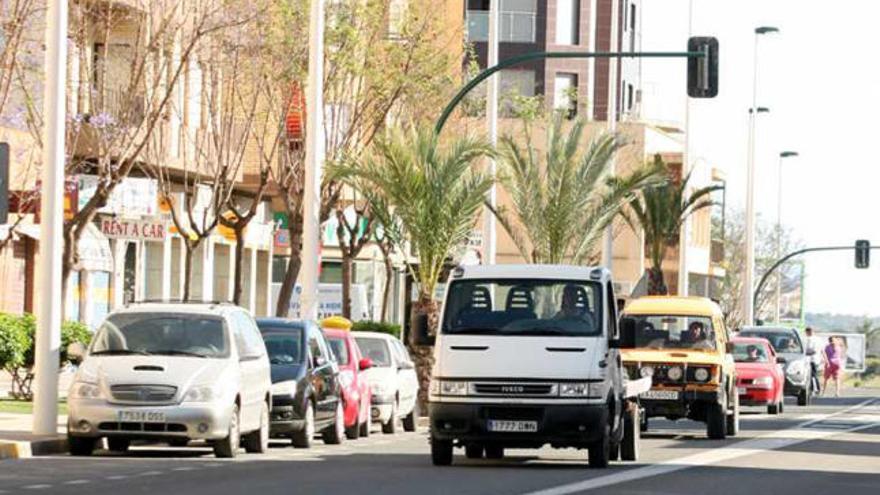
(782, 156)
(489, 227)
(748, 282)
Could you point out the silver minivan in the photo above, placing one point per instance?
(172, 372)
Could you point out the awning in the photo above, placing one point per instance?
(93, 247)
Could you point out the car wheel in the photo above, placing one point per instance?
(803, 398)
(365, 429)
(118, 444)
(179, 442)
(716, 427)
(303, 438)
(441, 452)
(733, 419)
(629, 449)
(81, 446)
(335, 434)
(781, 404)
(494, 452)
(257, 442)
(411, 421)
(773, 409)
(228, 447)
(353, 432)
(599, 451)
(391, 426)
(473, 451)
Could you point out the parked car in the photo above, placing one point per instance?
(796, 364)
(681, 342)
(172, 372)
(392, 379)
(759, 379)
(305, 383)
(353, 379)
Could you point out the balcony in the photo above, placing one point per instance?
(516, 27)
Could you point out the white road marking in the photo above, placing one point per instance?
(76, 482)
(184, 468)
(771, 441)
(116, 477)
(36, 487)
(150, 473)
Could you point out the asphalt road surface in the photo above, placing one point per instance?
(832, 446)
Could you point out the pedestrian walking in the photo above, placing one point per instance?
(814, 351)
(833, 355)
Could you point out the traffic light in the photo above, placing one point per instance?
(702, 76)
(863, 254)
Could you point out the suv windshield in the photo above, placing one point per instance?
(523, 307)
(162, 333)
(750, 353)
(284, 348)
(781, 341)
(674, 332)
(375, 349)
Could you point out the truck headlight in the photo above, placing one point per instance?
(580, 389)
(200, 393)
(83, 390)
(675, 373)
(702, 374)
(286, 388)
(763, 382)
(449, 387)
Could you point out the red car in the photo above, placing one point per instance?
(759, 379)
(356, 393)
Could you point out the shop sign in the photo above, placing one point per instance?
(133, 197)
(145, 230)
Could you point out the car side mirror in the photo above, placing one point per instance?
(421, 334)
(365, 364)
(76, 352)
(780, 359)
(627, 339)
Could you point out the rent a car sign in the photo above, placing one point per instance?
(148, 230)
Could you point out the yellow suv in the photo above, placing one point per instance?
(681, 342)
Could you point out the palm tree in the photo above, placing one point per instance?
(435, 192)
(660, 211)
(561, 201)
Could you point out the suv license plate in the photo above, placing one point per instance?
(140, 416)
(513, 426)
(660, 395)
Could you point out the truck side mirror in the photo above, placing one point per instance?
(421, 334)
(627, 338)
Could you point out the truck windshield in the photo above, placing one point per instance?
(523, 307)
(674, 332)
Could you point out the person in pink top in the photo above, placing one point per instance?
(834, 360)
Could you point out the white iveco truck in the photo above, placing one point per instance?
(525, 356)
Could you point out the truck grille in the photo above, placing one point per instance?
(514, 389)
(143, 393)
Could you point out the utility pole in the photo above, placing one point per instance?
(683, 278)
(782, 156)
(613, 83)
(48, 338)
(489, 222)
(314, 164)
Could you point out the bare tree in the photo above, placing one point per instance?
(352, 238)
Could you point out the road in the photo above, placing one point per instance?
(832, 446)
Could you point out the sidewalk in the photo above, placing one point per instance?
(17, 441)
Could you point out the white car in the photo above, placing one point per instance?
(393, 381)
(172, 372)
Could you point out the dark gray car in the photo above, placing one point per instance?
(792, 354)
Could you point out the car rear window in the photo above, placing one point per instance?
(375, 349)
(340, 350)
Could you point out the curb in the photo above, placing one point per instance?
(25, 449)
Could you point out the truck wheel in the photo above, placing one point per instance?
(441, 452)
(600, 450)
(473, 451)
(494, 452)
(733, 420)
(716, 416)
(80, 446)
(803, 398)
(629, 449)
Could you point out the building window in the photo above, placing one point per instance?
(567, 20)
(517, 21)
(629, 97)
(565, 94)
(632, 27)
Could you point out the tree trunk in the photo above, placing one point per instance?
(239, 263)
(190, 247)
(346, 283)
(656, 284)
(423, 356)
(282, 306)
(386, 291)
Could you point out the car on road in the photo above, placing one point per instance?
(526, 356)
(681, 342)
(393, 382)
(172, 372)
(759, 379)
(306, 393)
(789, 347)
(356, 394)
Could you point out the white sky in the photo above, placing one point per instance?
(820, 77)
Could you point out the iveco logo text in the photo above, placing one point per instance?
(512, 389)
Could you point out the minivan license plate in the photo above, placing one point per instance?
(140, 416)
(513, 426)
(660, 395)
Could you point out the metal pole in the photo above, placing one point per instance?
(489, 238)
(314, 164)
(608, 249)
(748, 277)
(48, 338)
(779, 238)
(683, 278)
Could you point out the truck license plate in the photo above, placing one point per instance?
(660, 395)
(140, 416)
(513, 426)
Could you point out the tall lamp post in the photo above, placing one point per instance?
(782, 156)
(748, 282)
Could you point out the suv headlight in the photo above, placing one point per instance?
(449, 387)
(286, 388)
(702, 374)
(580, 389)
(675, 373)
(646, 371)
(200, 393)
(83, 390)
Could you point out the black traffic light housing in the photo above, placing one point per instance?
(863, 254)
(702, 76)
